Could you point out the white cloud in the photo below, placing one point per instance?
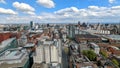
(93, 7)
(73, 15)
(30, 13)
(116, 7)
(67, 10)
(7, 11)
(39, 17)
(112, 1)
(90, 14)
(2, 1)
(46, 3)
(26, 8)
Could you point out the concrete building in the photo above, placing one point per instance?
(42, 65)
(85, 38)
(39, 55)
(100, 31)
(71, 31)
(113, 38)
(54, 54)
(22, 40)
(32, 24)
(14, 58)
(47, 54)
(95, 47)
(58, 44)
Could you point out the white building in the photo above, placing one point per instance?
(39, 57)
(23, 40)
(54, 54)
(47, 53)
(95, 48)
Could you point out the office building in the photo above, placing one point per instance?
(71, 31)
(54, 54)
(95, 47)
(47, 53)
(39, 55)
(32, 24)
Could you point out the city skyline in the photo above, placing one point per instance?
(59, 11)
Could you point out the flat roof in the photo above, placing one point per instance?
(113, 37)
(29, 45)
(4, 65)
(87, 36)
(11, 55)
(13, 58)
(42, 65)
(95, 45)
(4, 31)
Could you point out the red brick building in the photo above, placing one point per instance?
(7, 35)
(4, 36)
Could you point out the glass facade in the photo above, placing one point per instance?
(12, 44)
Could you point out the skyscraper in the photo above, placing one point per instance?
(71, 30)
(32, 24)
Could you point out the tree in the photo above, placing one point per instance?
(115, 62)
(104, 53)
(90, 54)
(84, 52)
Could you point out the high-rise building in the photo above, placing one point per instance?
(39, 57)
(54, 54)
(71, 30)
(46, 54)
(32, 24)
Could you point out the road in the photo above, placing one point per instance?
(64, 59)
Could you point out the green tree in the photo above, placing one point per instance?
(115, 62)
(84, 52)
(90, 54)
(104, 54)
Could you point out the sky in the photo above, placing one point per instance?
(59, 11)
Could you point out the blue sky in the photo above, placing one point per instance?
(59, 11)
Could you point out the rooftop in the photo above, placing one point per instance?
(29, 45)
(42, 65)
(113, 37)
(94, 45)
(6, 42)
(86, 36)
(13, 58)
